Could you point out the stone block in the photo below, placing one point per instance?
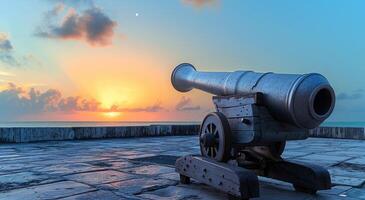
(47, 191)
(137, 186)
(100, 177)
(95, 195)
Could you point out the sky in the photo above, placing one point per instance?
(105, 60)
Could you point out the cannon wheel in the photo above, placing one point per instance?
(215, 137)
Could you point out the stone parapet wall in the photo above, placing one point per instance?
(27, 134)
(357, 133)
(35, 134)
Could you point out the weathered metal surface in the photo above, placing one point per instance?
(304, 100)
(237, 100)
(233, 180)
(252, 124)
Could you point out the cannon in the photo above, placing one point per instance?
(256, 113)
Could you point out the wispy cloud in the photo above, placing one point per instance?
(354, 95)
(154, 108)
(200, 3)
(75, 3)
(5, 44)
(92, 25)
(6, 51)
(8, 56)
(7, 74)
(185, 104)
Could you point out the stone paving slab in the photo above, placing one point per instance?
(95, 195)
(142, 168)
(26, 178)
(100, 177)
(48, 191)
(138, 186)
(151, 170)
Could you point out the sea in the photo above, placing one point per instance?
(89, 123)
(132, 123)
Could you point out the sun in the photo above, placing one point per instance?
(111, 114)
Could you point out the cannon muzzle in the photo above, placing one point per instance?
(302, 100)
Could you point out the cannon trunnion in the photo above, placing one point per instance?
(247, 134)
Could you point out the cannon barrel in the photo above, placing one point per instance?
(304, 100)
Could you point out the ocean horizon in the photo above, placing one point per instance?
(137, 123)
(90, 123)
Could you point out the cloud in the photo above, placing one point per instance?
(200, 3)
(8, 56)
(16, 101)
(2, 73)
(91, 26)
(5, 44)
(9, 59)
(75, 3)
(6, 51)
(357, 94)
(154, 108)
(57, 9)
(185, 104)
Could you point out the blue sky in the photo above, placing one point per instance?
(280, 36)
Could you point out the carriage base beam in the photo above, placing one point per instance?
(305, 177)
(236, 181)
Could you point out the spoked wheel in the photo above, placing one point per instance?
(215, 137)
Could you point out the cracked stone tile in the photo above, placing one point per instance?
(151, 170)
(355, 193)
(9, 156)
(139, 156)
(270, 191)
(182, 192)
(22, 179)
(336, 190)
(349, 172)
(111, 164)
(171, 176)
(67, 168)
(88, 158)
(95, 195)
(5, 167)
(344, 180)
(357, 161)
(47, 191)
(128, 152)
(99, 177)
(136, 186)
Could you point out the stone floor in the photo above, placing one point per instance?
(122, 169)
